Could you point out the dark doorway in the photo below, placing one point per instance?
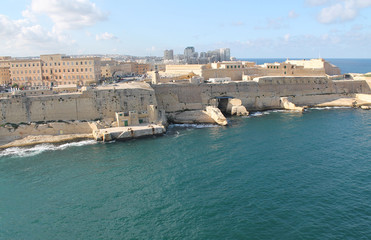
(223, 104)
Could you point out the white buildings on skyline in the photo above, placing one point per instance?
(190, 56)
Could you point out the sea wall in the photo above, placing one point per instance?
(262, 93)
(88, 105)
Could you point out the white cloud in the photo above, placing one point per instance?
(293, 14)
(22, 38)
(68, 14)
(238, 24)
(105, 36)
(342, 11)
(316, 2)
(287, 37)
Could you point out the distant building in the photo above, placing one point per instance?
(188, 52)
(225, 54)
(319, 63)
(169, 54)
(4, 71)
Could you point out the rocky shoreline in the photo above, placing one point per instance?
(40, 139)
(30, 134)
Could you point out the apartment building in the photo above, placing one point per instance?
(54, 70)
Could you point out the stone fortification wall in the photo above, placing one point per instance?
(264, 93)
(88, 105)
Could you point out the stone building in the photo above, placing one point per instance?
(54, 70)
(4, 71)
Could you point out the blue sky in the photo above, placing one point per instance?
(252, 29)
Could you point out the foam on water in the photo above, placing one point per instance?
(35, 150)
(192, 125)
(327, 108)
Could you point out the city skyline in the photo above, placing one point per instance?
(300, 29)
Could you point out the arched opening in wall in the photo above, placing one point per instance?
(223, 104)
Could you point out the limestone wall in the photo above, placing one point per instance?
(88, 105)
(262, 94)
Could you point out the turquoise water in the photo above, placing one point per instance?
(275, 175)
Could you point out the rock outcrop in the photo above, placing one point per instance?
(235, 107)
(286, 104)
(196, 116)
(216, 115)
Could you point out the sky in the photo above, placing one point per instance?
(251, 29)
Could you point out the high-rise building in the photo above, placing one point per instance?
(225, 54)
(169, 54)
(189, 52)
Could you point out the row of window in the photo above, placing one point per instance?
(47, 78)
(51, 64)
(235, 66)
(51, 71)
(25, 71)
(25, 65)
(275, 67)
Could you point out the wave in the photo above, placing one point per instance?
(193, 125)
(35, 150)
(326, 108)
(258, 114)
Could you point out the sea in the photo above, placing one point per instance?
(271, 175)
(346, 65)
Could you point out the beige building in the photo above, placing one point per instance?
(240, 70)
(5, 71)
(316, 64)
(111, 68)
(54, 70)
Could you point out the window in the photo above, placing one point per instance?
(77, 63)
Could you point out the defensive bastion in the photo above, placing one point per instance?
(189, 100)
